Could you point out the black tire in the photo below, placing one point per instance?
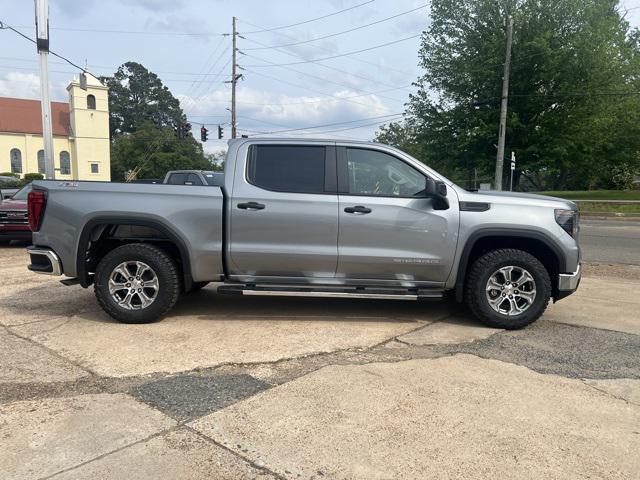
(162, 265)
(485, 266)
(195, 286)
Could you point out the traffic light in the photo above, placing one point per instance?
(183, 130)
(220, 132)
(204, 133)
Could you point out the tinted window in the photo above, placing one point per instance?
(287, 168)
(95, 168)
(379, 174)
(177, 179)
(193, 179)
(214, 178)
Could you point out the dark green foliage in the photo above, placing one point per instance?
(154, 151)
(574, 115)
(143, 118)
(30, 177)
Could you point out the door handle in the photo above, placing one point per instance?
(251, 206)
(358, 209)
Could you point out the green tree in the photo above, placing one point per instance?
(574, 112)
(137, 96)
(153, 151)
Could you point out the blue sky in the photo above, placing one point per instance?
(182, 41)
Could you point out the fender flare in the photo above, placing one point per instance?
(83, 274)
(503, 232)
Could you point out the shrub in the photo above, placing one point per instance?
(30, 177)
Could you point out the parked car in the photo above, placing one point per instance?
(8, 186)
(316, 218)
(194, 177)
(13, 216)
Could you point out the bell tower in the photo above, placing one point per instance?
(89, 121)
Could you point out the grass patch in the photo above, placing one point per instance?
(594, 207)
(595, 194)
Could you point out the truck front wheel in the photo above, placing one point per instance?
(137, 283)
(507, 288)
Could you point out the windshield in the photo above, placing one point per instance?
(22, 193)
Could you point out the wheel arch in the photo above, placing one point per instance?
(540, 245)
(99, 225)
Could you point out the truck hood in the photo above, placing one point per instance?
(9, 204)
(517, 198)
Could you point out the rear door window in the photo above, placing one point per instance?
(177, 179)
(194, 179)
(287, 168)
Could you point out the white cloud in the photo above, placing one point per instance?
(263, 111)
(27, 85)
(20, 85)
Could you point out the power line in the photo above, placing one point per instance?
(112, 67)
(338, 33)
(324, 49)
(321, 78)
(331, 124)
(310, 20)
(322, 100)
(304, 87)
(328, 67)
(133, 32)
(320, 133)
(4, 26)
(343, 54)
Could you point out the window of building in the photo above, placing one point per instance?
(65, 163)
(95, 168)
(287, 168)
(91, 102)
(41, 166)
(379, 174)
(16, 160)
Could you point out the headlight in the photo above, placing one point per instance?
(568, 220)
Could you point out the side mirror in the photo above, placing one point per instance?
(437, 190)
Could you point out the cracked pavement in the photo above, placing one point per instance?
(244, 388)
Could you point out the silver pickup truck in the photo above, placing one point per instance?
(308, 217)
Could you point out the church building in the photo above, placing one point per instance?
(80, 134)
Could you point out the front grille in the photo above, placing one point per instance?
(12, 217)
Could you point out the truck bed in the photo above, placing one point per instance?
(192, 214)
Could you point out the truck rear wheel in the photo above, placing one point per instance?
(137, 283)
(507, 288)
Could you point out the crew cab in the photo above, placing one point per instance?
(315, 217)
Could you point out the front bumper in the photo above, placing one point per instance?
(44, 260)
(568, 283)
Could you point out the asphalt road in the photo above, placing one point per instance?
(610, 241)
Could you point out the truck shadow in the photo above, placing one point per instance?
(208, 305)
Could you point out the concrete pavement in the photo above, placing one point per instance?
(236, 388)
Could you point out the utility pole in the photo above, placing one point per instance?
(503, 107)
(42, 36)
(234, 79)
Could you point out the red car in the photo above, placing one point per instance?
(14, 222)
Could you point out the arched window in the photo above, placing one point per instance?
(91, 102)
(41, 168)
(16, 160)
(65, 163)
